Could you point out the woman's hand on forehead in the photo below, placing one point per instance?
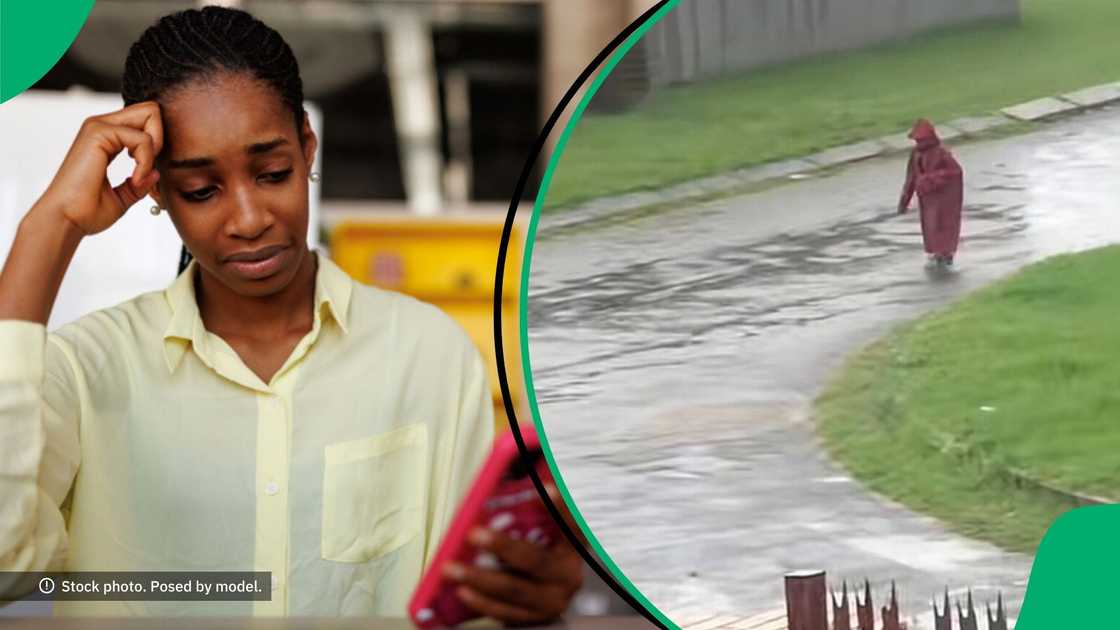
(81, 190)
(145, 117)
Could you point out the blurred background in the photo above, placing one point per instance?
(429, 105)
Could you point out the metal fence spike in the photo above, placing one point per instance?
(891, 619)
(969, 622)
(841, 614)
(865, 612)
(944, 620)
(844, 596)
(999, 621)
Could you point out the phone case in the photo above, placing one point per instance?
(504, 498)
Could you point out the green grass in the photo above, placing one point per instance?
(798, 108)
(1040, 349)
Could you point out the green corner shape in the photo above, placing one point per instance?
(1073, 580)
(33, 36)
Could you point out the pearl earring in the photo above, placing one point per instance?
(315, 177)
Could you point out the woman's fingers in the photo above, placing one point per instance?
(112, 139)
(142, 149)
(142, 117)
(129, 193)
(499, 585)
(140, 130)
(519, 555)
(559, 564)
(495, 609)
(532, 583)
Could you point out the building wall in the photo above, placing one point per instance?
(573, 33)
(704, 38)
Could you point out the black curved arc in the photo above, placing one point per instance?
(511, 414)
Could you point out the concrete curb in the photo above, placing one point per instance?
(1023, 479)
(1031, 111)
(1077, 498)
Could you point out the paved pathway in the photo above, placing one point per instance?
(675, 358)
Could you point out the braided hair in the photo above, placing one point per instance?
(196, 44)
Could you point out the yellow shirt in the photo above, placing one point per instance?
(134, 439)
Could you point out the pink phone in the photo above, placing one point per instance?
(503, 498)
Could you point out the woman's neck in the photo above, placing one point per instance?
(226, 313)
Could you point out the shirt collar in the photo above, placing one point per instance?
(333, 288)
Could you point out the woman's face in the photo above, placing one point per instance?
(233, 174)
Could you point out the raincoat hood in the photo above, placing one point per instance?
(924, 134)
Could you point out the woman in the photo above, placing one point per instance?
(938, 179)
(264, 412)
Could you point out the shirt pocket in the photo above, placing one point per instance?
(373, 494)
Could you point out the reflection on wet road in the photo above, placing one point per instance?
(675, 358)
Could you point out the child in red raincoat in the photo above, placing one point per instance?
(938, 179)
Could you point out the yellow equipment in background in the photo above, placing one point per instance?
(448, 262)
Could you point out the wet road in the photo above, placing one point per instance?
(675, 358)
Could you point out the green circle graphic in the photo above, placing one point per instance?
(33, 36)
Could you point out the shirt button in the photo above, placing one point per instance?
(271, 488)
